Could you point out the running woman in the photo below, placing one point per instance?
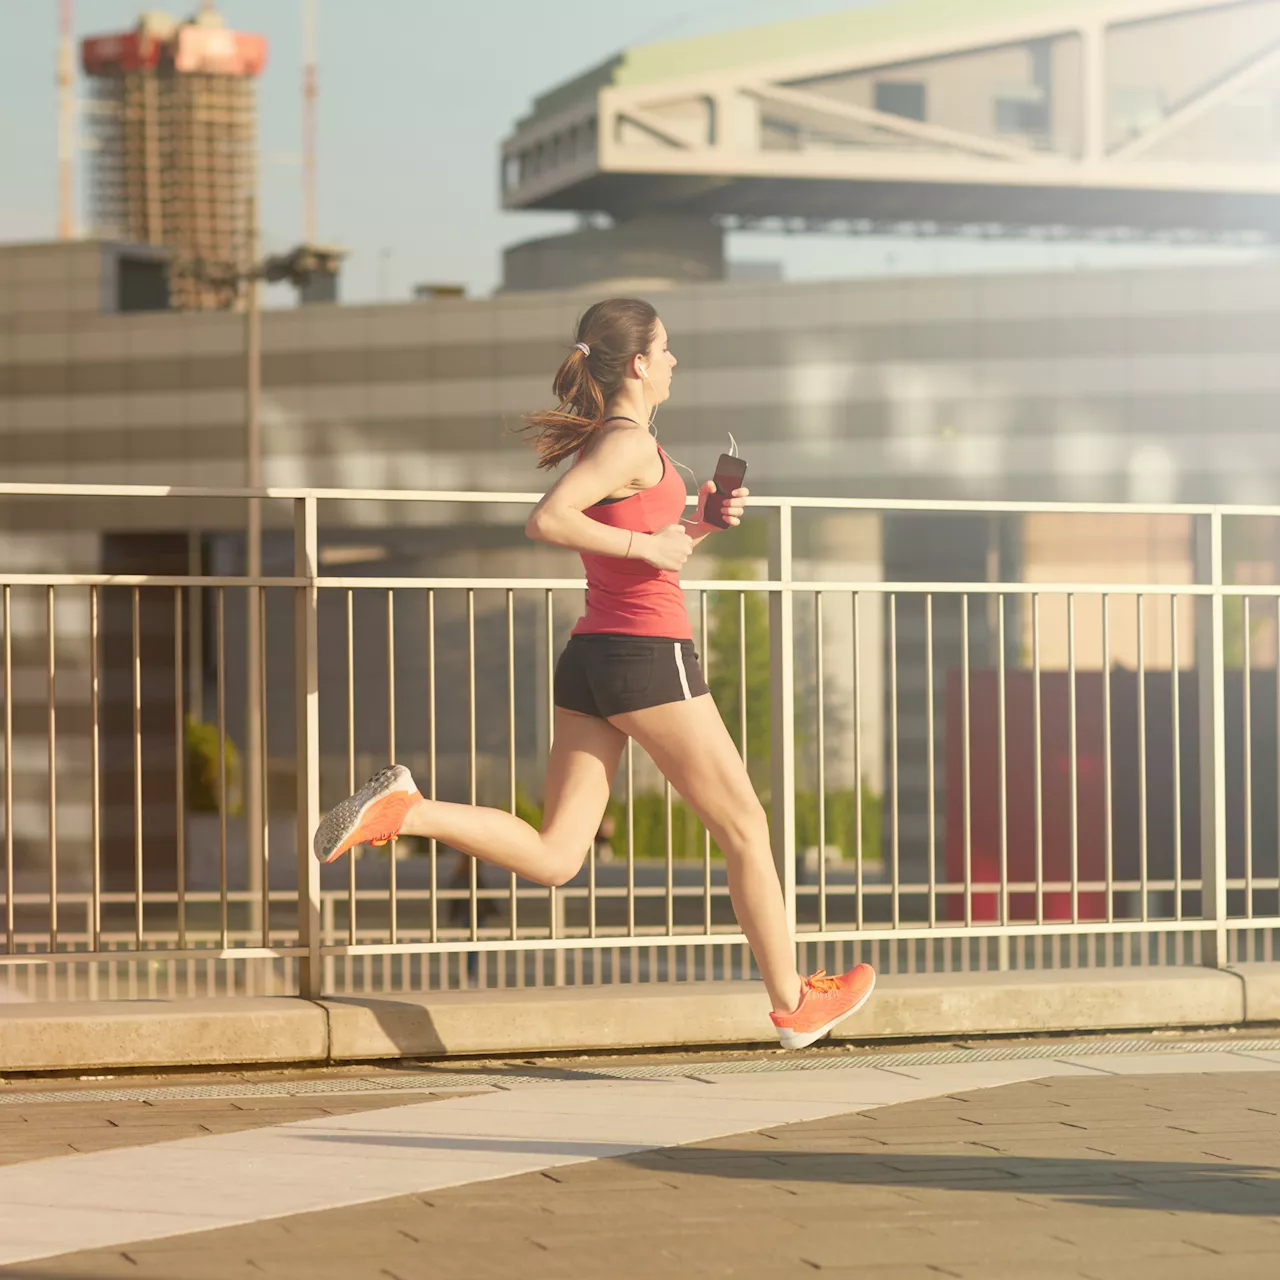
(629, 669)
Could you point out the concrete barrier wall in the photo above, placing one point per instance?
(158, 1034)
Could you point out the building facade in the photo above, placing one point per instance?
(1146, 386)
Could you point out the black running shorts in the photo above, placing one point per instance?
(605, 675)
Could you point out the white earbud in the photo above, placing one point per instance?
(644, 373)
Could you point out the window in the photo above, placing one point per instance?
(1022, 111)
(142, 284)
(1134, 110)
(904, 98)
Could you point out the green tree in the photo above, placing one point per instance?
(202, 769)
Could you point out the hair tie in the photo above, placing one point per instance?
(582, 346)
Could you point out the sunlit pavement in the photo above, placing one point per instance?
(1156, 1160)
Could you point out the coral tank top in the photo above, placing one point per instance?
(631, 597)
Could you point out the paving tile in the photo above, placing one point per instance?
(1205, 1267)
(1181, 1064)
(45, 1130)
(1016, 1271)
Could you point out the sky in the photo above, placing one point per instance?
(415, 99)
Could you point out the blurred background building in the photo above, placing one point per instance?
(1133, 120)
(997, 117)
(174, 147)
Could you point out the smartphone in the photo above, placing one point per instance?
(730, 473)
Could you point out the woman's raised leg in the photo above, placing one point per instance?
(584, 758)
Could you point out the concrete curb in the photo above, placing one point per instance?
(1262, 991)
(160, 1033)
(1034, 1001)
(145, 1034)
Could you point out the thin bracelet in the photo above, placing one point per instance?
(631, 537)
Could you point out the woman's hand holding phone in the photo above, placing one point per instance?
(732, 506)
(722, 502)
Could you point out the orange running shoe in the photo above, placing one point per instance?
(374, 814)
(823, 1003)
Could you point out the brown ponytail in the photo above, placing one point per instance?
(614, 330)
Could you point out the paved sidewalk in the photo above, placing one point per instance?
(43, 1130)
(1112, 1167)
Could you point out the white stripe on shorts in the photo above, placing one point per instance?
(684, 680)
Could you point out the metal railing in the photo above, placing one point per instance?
(1030, 812)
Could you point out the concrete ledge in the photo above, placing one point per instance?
(920, 1005)
(144, 1034)
(1261, 991)
(160, 1033)
(481, 1022)
(1049, 1000)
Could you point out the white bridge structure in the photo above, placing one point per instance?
(1129, 117)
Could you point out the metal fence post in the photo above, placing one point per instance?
(307, 742)
(782, 748)
(1213, 783)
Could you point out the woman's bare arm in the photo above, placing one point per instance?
(618, 460)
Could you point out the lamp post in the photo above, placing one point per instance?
(302, 266)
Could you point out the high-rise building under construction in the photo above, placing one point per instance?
(175, 146)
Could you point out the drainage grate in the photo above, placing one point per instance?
(444, 1079)
(420, 1083)
(1047, 1050)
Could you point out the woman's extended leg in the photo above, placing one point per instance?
(689, 743)
(584, 757)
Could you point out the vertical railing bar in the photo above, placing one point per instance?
(706, 831)
(1001, 712)
(966, 781)
(179, 778)
(9, 890)
(309, 968)
(553, 897)
(393, 903)
(1143, 840)
(1107, 783)
(220, 621)
(591, 891)
(352, 910)
(266, 771)
(742, 673)
(95, 779)
(513, 892)
(1072, 756)
(433, 845)
(53, 766)
(929, 760)
(782, 690)
(1247, 679)
(857, 759)
(1038, 728)
(631, 840)
(669, 851)
(1175, 698)
(895, 903)
(820, 677)
(473, 868)
(1211, 665)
